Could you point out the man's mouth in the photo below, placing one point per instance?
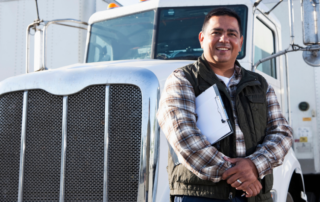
(223, 48)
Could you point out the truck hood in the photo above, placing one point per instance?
(73, 78)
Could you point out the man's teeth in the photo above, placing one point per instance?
(223, 49)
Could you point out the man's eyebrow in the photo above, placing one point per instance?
(232, 30)
(228, 30)
(217, 29)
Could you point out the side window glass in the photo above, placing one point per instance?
(264, 46)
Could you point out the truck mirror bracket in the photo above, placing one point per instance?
(291, 48)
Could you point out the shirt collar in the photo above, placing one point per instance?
(237, 71)
(235, 78)
(208, 75)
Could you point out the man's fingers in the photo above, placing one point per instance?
(243, 168)
(228, 173)
(243, 186)
(234, 178)
(258, 186)
(254, 189)
(236, 183)
(249, 192)
(231, 160)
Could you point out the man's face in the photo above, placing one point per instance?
(221, 40)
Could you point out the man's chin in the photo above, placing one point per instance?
(222, 60)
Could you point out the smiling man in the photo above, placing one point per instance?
(221, 41)
(240, 164)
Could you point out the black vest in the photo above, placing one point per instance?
(251, 111)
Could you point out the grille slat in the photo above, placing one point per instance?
(85, 145)
(10, 136)
(125, 116)
(43, 147)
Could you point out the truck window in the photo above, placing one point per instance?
(264, 46)
(178, 30)
(123, 38)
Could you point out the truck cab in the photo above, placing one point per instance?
(88, 131)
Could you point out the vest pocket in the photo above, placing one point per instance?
(258, 110)
(260, 98)
(185, 176)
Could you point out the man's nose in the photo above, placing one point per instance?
(224, 38)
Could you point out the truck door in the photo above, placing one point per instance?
(266, 43)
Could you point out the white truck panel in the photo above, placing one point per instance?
(64, 45)
(282, 175)
(303, 87)
(12, 36)
(316, 143)
(163, 192)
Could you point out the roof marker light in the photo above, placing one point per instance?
(143, 0)
(112, 5)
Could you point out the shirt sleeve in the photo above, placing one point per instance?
(177, 119)
(278, 139)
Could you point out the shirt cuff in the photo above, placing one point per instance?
(224, 166)
(262, 164)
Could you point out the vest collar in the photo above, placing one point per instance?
(205, 71)
(209, 76)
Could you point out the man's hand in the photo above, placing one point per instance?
(253, 189)
(245, 171)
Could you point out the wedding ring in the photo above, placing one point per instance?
(239, 181)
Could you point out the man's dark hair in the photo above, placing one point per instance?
(220, 12)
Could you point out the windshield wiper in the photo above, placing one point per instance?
(188, 57)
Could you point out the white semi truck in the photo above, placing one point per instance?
(304, 100)
(88, 131)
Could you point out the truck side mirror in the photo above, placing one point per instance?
(310, 22)
(311, 31)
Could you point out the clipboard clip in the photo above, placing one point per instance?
(218, 105)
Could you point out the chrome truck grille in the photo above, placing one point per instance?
(81, 147)
(124, 148)
(10, 132)
(85, 135)
(43, 147)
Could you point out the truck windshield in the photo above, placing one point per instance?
(131, 36)
(123, 38)
(178, 30)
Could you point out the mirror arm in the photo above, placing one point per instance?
(267, 13)
(291, 48)
(58, 22)
(84, 28)
(257, 3)
(290, 8)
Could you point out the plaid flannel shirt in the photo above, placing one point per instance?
(177, 119)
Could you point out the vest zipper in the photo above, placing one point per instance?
(230, 196)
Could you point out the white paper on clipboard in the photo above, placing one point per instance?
(213, 120)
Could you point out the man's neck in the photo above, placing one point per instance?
(222, 70)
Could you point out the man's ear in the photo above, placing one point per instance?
(241, 42)
(201, 37)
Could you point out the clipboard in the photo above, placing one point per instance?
(213, 120)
